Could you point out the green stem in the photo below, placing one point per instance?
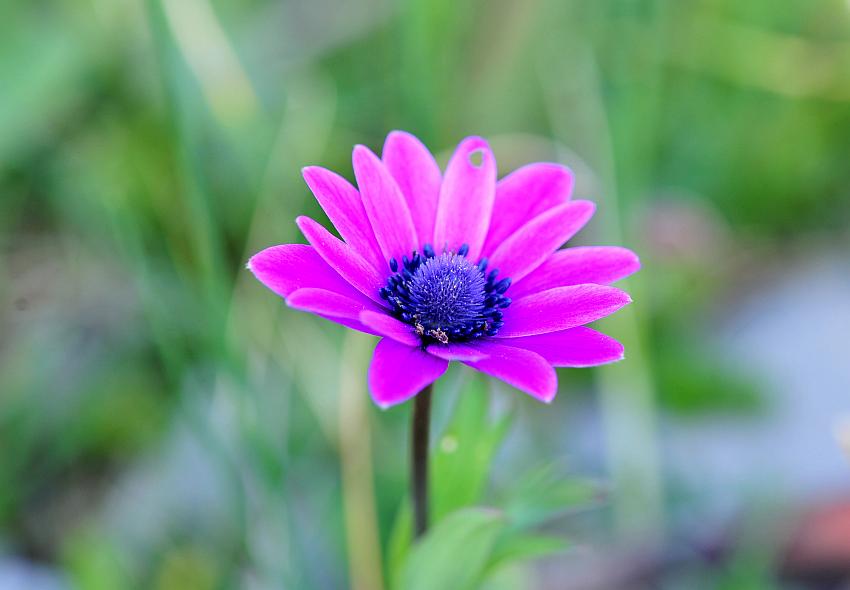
(419, 460)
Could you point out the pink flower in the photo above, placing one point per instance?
(453, 267)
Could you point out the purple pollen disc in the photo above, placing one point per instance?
(445, 297)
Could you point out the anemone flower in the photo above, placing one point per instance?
(453, 266)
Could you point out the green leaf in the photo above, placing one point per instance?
(515, 547)
(507, 577)
(544, 493)
(455, 553)
(398, 545)
(462, 459)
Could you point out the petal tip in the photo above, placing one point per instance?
(588, 207)
(292, 305)
(636, 263)
(306, 224)
(400, 135)
(619, 297)
(474, 142)
(564, 169)
(629, 259)
(292, 299)
(473, 145)
(307, 172)
(368, 167)
(549, 396)
(401, 144)
(361, 153)
(256, 265)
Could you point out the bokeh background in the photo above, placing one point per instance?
(167, 423)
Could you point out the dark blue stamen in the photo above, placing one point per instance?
(446, 298)
(502, 286)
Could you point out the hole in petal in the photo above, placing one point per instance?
(476, 158)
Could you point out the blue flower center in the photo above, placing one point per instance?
(445, 297)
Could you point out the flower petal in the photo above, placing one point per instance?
(289, 267)
(560, 309)
(343, 259)
(349, 323)
(466, 199)
(576, 347)
(574, 266)
(385, 206)
(524, 194)
(390, 327)
(456, 352)
(524, 369)
(529, 246)
(399, 372)
(328, 303)
(418, 177)
(342, 203)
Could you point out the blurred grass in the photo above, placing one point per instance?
(149, 147)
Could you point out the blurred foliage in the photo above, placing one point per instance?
(166, 423)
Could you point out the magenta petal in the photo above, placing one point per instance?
(524, 369)
(390, 327)
(523, 195)
(574, 266)
(328, 303)
(342, 203)
(577, 347)
(385, 206)
(350, 323)
(456, 352)
(560, 309)
(343, 259)
(290, 267)
(466, 199)
(418, 177)
(398, 372)
(533, 243)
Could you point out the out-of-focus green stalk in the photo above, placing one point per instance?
(187, 123)
(578, 115)
(629, 128)
(355, 451)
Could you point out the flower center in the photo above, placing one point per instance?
(445, 297)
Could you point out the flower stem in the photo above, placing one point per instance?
(419, 460)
